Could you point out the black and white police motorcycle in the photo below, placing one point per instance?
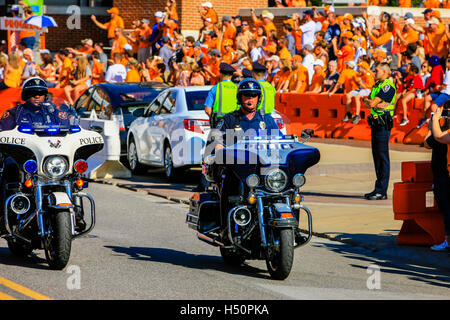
(253, 209)
(42, 188)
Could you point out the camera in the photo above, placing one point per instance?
(445, 112)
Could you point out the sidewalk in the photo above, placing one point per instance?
(333, 192)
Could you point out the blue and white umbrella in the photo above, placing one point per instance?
(41, 21)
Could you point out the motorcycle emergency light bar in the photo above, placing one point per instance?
(30, 166)
(74, 129)
(52, 130)
(25, 129)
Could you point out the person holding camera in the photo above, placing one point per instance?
(381, 101)
(441, 180)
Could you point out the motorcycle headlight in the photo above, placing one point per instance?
(252, 181)
(298, 180)
(276, 180)
(55, 167)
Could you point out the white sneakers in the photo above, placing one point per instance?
(440, 247)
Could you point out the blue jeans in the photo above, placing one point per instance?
(380, 154)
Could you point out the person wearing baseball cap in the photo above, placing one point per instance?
(267, 104)
(266, 21)
(115, 22)
(318, 77)
(435, 34)
(206, 10)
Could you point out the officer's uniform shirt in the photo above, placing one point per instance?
(27, 113)
(386, 93)
(237, 120)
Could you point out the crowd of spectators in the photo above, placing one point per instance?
(312, 51)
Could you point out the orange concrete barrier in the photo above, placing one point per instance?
(422, 224)
(324, 115)
(9, 98)
(314, 111)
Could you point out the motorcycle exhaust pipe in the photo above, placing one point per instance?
(20, 204)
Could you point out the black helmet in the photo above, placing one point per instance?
(34, 87)
(249, 87)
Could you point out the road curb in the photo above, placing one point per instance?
(420, 254)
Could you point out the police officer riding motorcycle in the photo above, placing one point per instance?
(44, 153)
(252, 210)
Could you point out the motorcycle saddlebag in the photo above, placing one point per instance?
(203, 211)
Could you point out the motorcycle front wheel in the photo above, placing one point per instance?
(59, 242)
(280, 263)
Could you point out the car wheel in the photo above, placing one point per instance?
(171, 172)
(133, 160)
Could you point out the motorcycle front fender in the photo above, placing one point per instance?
(59, 201)
(283, 216)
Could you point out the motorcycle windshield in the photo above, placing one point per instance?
(60, 122)
(283, 151)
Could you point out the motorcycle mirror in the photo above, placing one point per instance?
(307, 133)
(97, 129)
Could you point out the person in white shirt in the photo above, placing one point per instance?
(255, 52)
(308, 28)
(308, 60)
(116, 72)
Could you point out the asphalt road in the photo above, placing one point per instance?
(142, 249)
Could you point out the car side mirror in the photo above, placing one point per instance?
(307, 133)
(97, 129)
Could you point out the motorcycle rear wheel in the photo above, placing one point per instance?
(59, 242)
(280, 265)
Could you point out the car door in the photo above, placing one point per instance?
(161, 126)
(142, 128)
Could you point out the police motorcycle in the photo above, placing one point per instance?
(252, 210)
(42, 187)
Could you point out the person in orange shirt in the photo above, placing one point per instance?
(281, 77)
(97, 68)
(437, 38)
(346, 24)
(284, 53)
(365, 81)
(430, 4)
(266, 22)
(385, 40)
(172, 10)
(206, 11)
(144, 41)
(115, 22)
(348, 80)
(88, 47)
(65, 73)
(212, 69)
(12, 72)
(229, 33)
(229, 54)
(27, 37)
(318, 77)
(79, 83)
(119, 42)
(133, 37)
(347, 52)
(404, 3)
(169, 25)
(298, 81)
(133, 74)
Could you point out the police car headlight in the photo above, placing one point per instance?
(56, 167)
(276, 180)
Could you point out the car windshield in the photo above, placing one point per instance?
(195, 100)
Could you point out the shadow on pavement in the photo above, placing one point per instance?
(187, 260)
(32, 261)
(400, 264)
